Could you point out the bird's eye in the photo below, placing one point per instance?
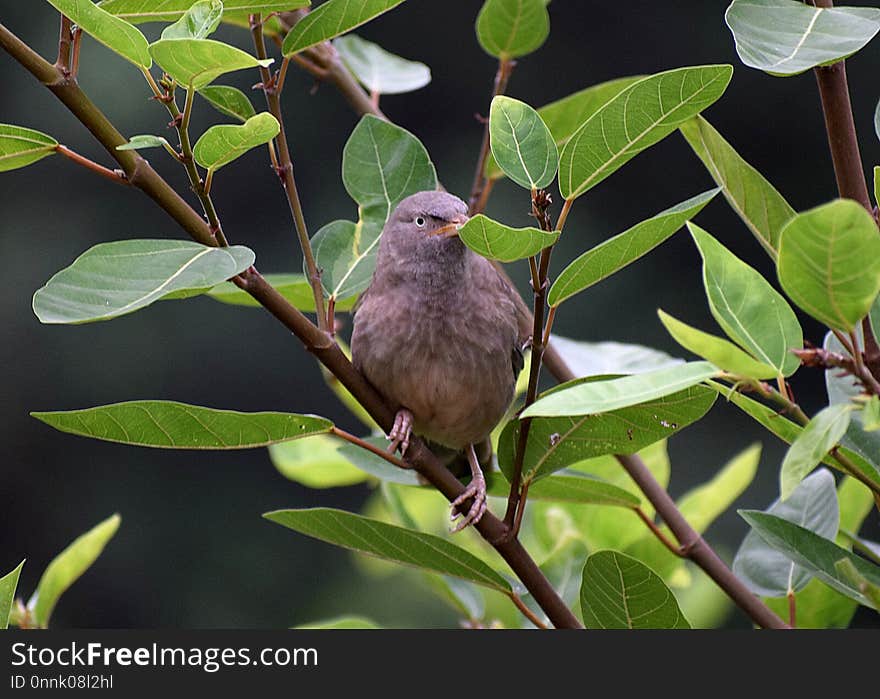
(420, 221)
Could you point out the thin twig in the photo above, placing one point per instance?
(505, 68)
(363, 444)
(181, 122)
(516, 499)
(656, 531)
(527, 613)
(65, 39)
(285, 174)
(117, 176)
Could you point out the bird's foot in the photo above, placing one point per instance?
(476, 489)
(401, 431)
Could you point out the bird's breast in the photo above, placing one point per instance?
(447, 359)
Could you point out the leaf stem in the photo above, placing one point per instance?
(857, 544)
(656, 531)
(117, 176)
(285, 174)
(505, 68)
(363, 444)
(527, 613)
(792, 609)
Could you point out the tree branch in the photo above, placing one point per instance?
(516, 500)
(505, 68)
(142, 176)
(694, 547)
(285, 174)
(846, 158)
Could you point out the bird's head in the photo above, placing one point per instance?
(429, 215)
(421, 235)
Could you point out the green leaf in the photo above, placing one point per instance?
(8, 585)
(521, 143)
(115, 33)
(810, 447)
(496, 241)
(619, 592)
(112, 279)
(315, 462)
(222, 144)
(375, 465)
(200, 21)
(171, 425)
(379, 71)
(170, 10)
(760, 206)
(195, 63)
(717, 350)
(625, 248)
(564, 116)
(749, 310)
(144, 141)
(66, 568)
(341, 622)
(788, 431)
(765, 570)
(829, 263)
(635, 119)
(382, 164)
(557, 442)
(20, 146)
(784, 37)
(512, 28)
(848, 572)
(229, 101)
(594, 397)
(580, 489)
(871, 414)
(331, 19)
(391, 543)
(293, 287)
(595, 358)
(815, 553)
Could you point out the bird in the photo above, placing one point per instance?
(436, 334)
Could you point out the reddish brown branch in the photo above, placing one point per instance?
(117, 176)
(505, 68)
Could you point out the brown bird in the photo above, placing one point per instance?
(436, 334)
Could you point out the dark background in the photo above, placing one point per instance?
(192, 550)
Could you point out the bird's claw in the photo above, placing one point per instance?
(476, 489)
(401, 431)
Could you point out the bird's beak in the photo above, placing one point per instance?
(450, 230)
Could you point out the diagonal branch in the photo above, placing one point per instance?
(142, 176)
